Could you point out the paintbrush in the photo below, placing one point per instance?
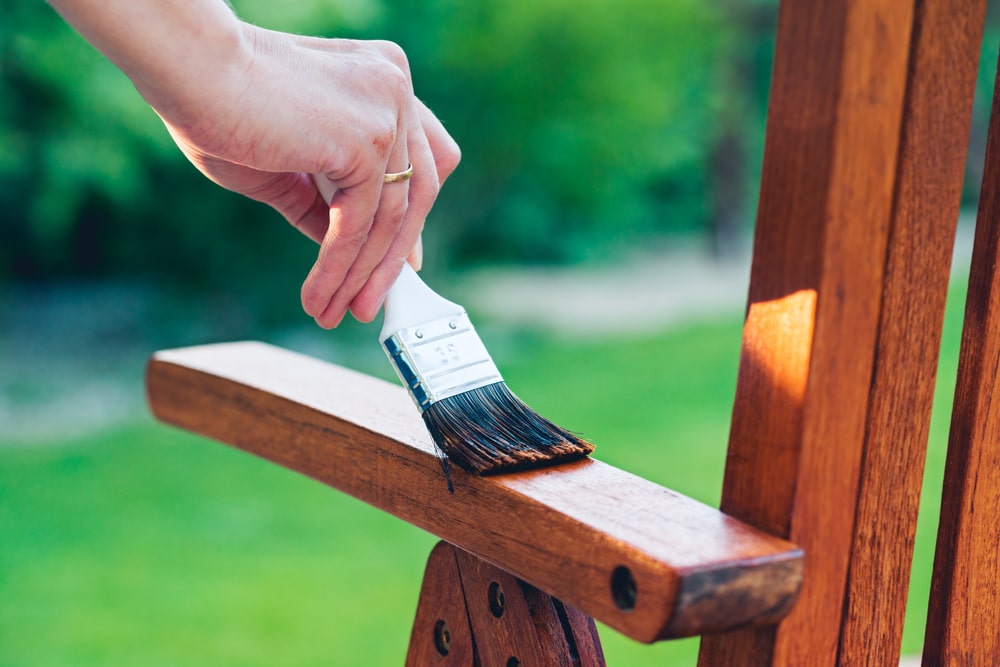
(475, 420)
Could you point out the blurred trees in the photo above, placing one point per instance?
(585, 125)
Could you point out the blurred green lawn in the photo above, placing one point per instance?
(149, 546)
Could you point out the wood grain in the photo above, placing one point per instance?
(441, 634)
(826, 201)
(963, 621)
(944, 59)
(565, 530)
(530, 627)
(472, 613)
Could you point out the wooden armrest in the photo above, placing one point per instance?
(645, 560)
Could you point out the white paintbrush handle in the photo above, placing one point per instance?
(409, 301)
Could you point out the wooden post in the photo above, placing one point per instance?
(963, 620)
(857, 210)
(944, 58)
(826, 193)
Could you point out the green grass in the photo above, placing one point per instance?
(153, 547)
(149, 546)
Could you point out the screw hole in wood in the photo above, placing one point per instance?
(513, 662)
(442, 637)
(623, 588)
(496, 600)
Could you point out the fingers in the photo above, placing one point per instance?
(361, 224)
(438, 155)
(422, 192)
(444, 148)
(416, 256)
(394, 236)
(365, 215)
(358, 238)
(292, 194)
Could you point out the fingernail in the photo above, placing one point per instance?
(363, 316)
(327, 323)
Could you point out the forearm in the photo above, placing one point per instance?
(174, 51)
(258, 111)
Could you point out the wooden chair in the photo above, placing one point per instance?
(866, 143)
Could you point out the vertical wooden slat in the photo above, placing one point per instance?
(441, 634)
(944, 56)
(963, 623)
(815, 294)
(515, 624)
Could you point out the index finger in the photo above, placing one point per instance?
(352, 211)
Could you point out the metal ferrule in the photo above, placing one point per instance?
(440, 358)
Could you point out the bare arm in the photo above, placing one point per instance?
(170, 50)
(257, 111)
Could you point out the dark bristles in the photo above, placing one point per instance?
(489, 430)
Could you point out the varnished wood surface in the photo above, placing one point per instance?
(944, 58)
(473, 614)
(564, 530)
(442, 635)
(529, 626)
(817, 279)
(963, 620)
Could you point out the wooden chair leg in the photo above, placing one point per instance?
(441, 633)
(471, 613)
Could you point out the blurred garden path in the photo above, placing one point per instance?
(646, 293)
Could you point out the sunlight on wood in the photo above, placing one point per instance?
(778, 336)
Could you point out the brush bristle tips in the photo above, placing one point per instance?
(489, 430)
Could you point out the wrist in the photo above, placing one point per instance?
(202, 67)
(179, 54)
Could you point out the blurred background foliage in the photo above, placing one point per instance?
(587, 127)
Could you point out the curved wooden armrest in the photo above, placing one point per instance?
(645, 560)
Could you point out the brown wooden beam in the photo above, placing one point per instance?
(944, 59)
(826, 201)
(963, 620)
(645, 560)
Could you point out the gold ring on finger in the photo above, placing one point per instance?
(399, 176)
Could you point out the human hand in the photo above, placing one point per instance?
(343, 108)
